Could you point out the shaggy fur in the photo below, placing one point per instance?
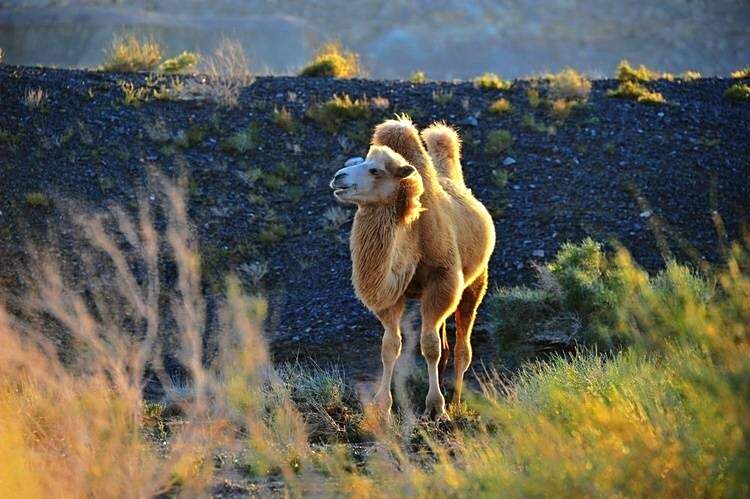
(432, 241)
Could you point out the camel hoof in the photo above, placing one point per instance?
(434, 408)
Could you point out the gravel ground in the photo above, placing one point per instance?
(648, 177)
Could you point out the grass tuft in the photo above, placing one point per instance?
(501, 106)
(242, 141)
(498, 141)
(183, 63)
(442, 97)
(740, 73)
(418, 78)
(635, 91)
(340, 108)
(625, 72)
(333, 60)
(130, 54)
(491, 81)
(738, 92)
(283, 119)
(569, 85)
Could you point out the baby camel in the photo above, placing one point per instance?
(418, 233)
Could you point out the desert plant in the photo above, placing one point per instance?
(532, 94)
(561, 108)
(569, 85)
(37, 199)
(283, 119)
(333, 60)
(491, 81)
(332, 113)
(500, 106)
(738, 92)
(380, 102)
(272, 234)
(740, 73)
(418, 78)
(335, 217)
(632, 90)
(225, 72)
(34, 98)
(689, 75)
(186, 61)
(132, 95)
(131, 54)
(242, 141)
(625, 72)
(441, 96)
(498, 141)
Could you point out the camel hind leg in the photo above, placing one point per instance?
(444, 355)
(465, 314)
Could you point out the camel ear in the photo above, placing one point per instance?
(405, 171)
(407, 202)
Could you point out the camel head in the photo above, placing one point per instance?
(384, 178)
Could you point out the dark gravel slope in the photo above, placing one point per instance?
(614, 171)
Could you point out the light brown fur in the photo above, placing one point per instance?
(432, 241)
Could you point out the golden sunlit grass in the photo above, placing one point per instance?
(637, 92)
(332, 113)
(738, 93)
(500, 106)
(132, 54)
(491, 81)
(666, 417)
(333, 60)
(226, 71)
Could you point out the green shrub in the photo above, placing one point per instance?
(184, 62)
(37, 199)
(741, 73)
(625, 72)
(636, 91)
(340, 108)
(284, 119)
(569, 85)
(491, 81)
(418, 77)
(500, 106)
(442, 97)
(242, 141)
(333, 60)
(738, 92)
(131, 54)
(498, 141)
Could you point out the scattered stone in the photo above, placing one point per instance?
(470, 121)
(509, 161)
(645, 214)
(538, 253)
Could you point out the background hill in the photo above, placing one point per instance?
(649, 177)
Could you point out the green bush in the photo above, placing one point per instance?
(340, 108)
(334, 61)
(186, 61)
(498, 141)
(738, 93)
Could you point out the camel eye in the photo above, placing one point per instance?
(374, 171)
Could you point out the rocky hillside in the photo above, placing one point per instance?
(649, 177)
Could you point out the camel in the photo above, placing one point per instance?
(418, 233)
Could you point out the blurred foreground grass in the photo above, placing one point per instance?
(664, 413)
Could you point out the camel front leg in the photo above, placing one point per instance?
(439, 300)
(389, 352)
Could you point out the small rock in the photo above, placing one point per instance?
(470, 121)
(537, 253)
(519, 265)
(509, 161)
(660, 114)
(645, 214)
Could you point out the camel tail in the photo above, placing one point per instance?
(444, 147)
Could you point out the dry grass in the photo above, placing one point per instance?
(333, 60)
(283, 119)
(532, 95)
(500, 106)
(226, 71)
(498, 141)
(340, 108)
(635, 91)
(442, 97)
(738, 93)
(34, 98)
(569, 85)
(741, 73)
(418, 78)
(491, 81)
(131, 54)
(183, 63)
(132, 95)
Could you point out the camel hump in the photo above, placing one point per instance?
(444, 147)
(402, 136)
